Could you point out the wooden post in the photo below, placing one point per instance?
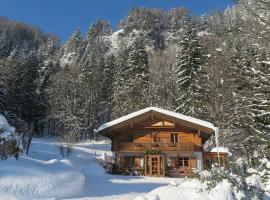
(119, 160)
(145, 165)
(189, 160)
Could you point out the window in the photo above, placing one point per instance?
(155, 138)
(174, 138)
(220, 158)
(174, 162)
(183, 161)
(130, 138)
(129, 161)
(208, 163)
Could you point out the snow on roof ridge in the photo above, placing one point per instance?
(160, 110)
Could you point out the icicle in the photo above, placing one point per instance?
(217, 144)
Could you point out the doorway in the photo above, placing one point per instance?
(154, 165)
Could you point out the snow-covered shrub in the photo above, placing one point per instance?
(9, 140)
(65, 147)
(211, 178)
(246, 183)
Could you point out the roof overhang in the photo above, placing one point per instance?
(205, 127)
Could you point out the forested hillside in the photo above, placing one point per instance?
(215, 67)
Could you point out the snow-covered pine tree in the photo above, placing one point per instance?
(177, 16)
(162, 87)
(188, 67)
(98, 29)
(5, 44)
(256, 17)
(75, 41)
(156, 34)
(3, 100)
(72, 50)
(136, 77)
(22, 93)
(250, 86)
(119, 96)
(107, 88)
(92, 66)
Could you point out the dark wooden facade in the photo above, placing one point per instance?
(156, 144)
(209, 158)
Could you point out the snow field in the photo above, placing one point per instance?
(30, 177)
(45, 174)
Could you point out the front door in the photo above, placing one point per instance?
(154, 165)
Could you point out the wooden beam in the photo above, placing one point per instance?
(119, 160)
(189, 160)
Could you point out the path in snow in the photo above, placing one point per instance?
(99, 185)
(46, 174)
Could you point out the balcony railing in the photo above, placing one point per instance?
(128, 146)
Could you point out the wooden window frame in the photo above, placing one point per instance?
(183, 162)
(174, 138)
(216, 160)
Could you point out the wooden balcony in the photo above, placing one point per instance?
(130, 147)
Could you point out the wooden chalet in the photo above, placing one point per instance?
(158, 142)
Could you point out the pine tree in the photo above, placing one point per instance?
(119, 96)
(188, 66)
(98, 29)
(249, 100)
(72, 50)
(92, 78)
(23, 94)
(178, 20)
(136, 78)
(3, 100)
(107, 88)
(75, 41)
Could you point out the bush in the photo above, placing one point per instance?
(245, 184)
(65, 149)
(8, 148)
(9, 140)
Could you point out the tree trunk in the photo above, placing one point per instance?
(30, 137)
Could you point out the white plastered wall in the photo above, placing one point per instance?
(199, 160)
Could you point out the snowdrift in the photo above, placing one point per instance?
(42, 175)
(189, 190)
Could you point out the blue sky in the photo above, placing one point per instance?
(63, 16)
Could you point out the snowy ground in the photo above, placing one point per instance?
(46, 175)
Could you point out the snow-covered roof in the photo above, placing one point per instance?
(221, 150)
(159, 110)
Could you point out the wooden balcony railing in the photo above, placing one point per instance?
(128, 146)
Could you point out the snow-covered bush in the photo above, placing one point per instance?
(66, 144)
(65, 149)
(213, 177)
(9, 139)
(246, 183)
